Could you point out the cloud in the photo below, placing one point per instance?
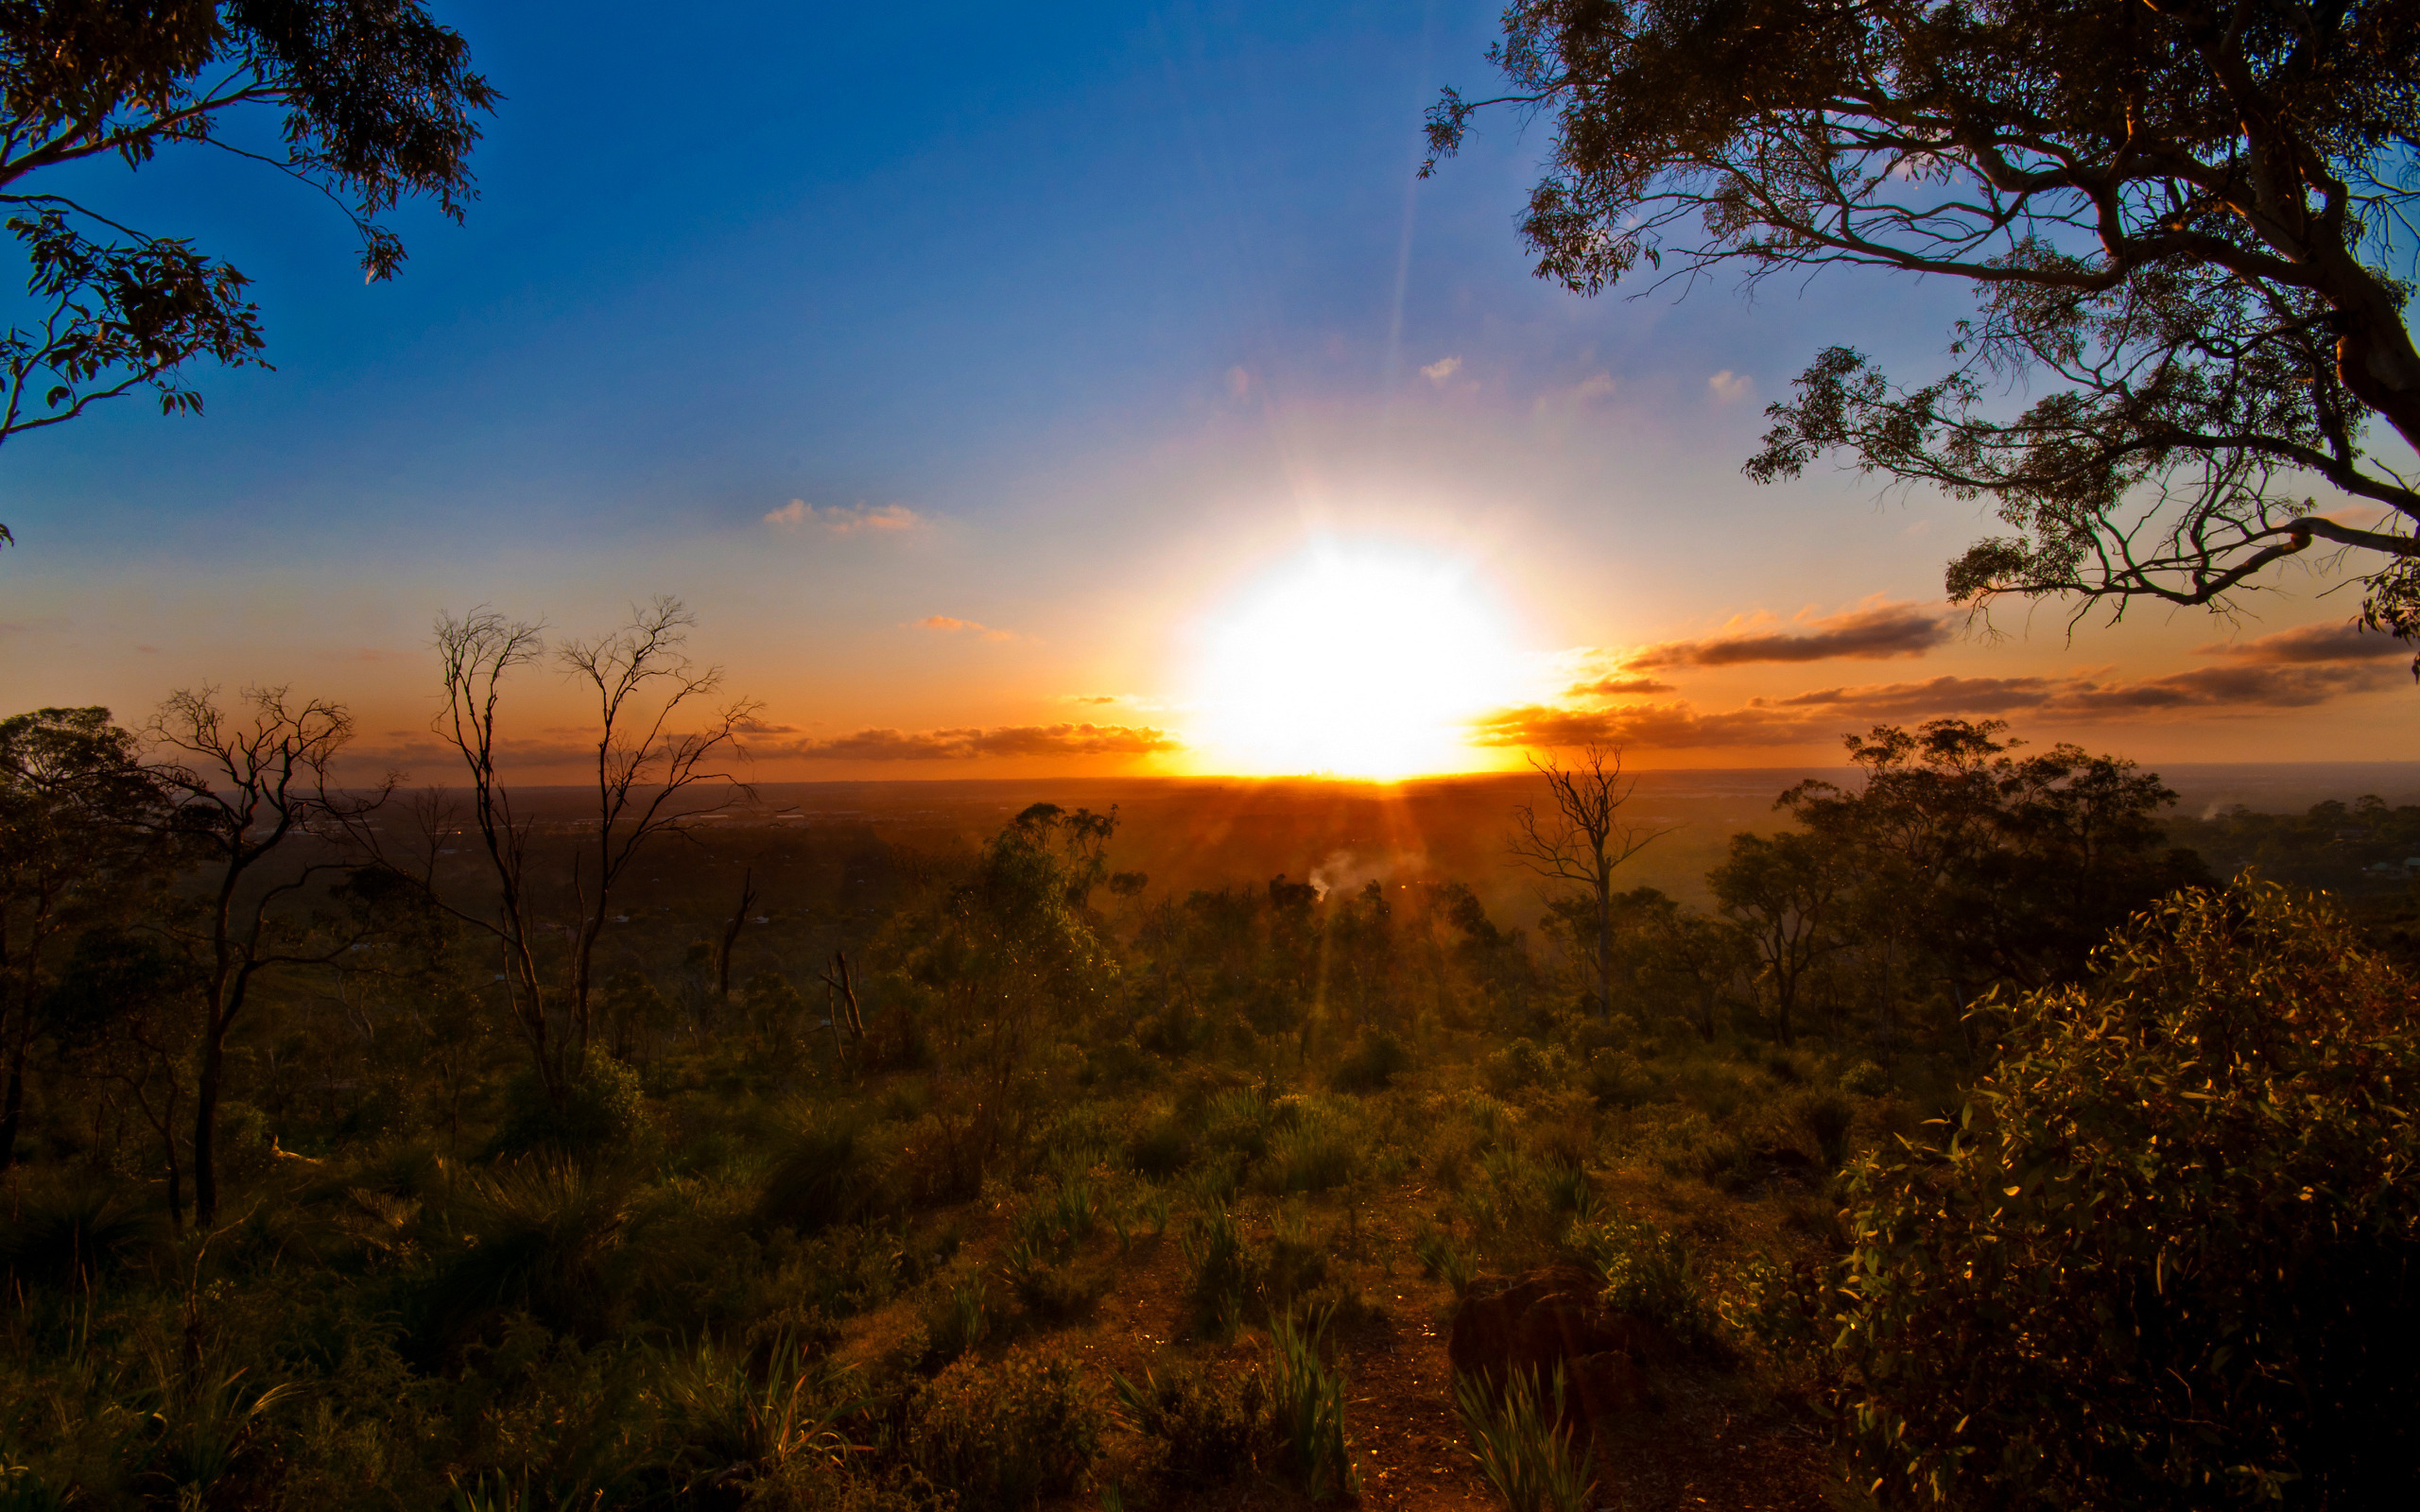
(2345, 642)
(964, 745)
(1442, 369)
(845, 519)
(1239, 383)
(1613, 685)
(1728, 386)
(949, 626)
(48, 625)
(1870, 634)
(1094, 698)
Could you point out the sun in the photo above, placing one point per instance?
(1350, 662)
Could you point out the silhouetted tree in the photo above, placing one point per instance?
(1582, 842)
(242, 788)
(646, 770)
(1788, 894)
(377, 104)
(75, 806)
(2182, 223)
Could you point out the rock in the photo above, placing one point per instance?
(1557, 1317)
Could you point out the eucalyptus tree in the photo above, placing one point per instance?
(645, 766)
(371, 102)
(77, 809)
(254, 804)
(1580, 845)
(2185, 225)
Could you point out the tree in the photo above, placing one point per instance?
(74, 801)
(378, 104)
(646, 770)
(1788, 894)
(2164, 1258)
(1583, 843)
(2178, 219)
(241, 787)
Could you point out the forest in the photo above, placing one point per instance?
(1978, 1143)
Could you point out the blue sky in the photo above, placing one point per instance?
(1124, 307)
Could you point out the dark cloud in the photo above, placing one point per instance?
(1822, 714)
(961, 745)
(2345, 642)
(1872, 634)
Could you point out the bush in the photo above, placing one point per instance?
(536, 1239)
(1825, 1119)
(1865, 1079)
(1206, 1425)
(1005, 1435)
(599, 1113)
(2167, 1258)
(1372, 1065)
(1645, 1270)
(822, 1175)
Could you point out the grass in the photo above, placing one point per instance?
(1522, 1445)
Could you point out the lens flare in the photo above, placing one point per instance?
(1352, 661)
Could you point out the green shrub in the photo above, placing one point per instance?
(70, 1236)
(1376, 1058)
(1227, 1271)
(1318, 1152)
(1865, 1079)
(823, 1174)
(1205, 1424)
(1522, 1446)
(1005, 1435)
(602, 1110)
(1160, 1148)
(2167, 1258)
(1645, 1270)
(536, 1236)
(1825, 1119)
(728, 1420)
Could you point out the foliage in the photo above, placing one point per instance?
(1523, 1444)
(2164, 1256)
(1307, 1401)
(1010, 1433)
(2182, 227)
(377, 104)
(598, 1114)
(1206, 1425)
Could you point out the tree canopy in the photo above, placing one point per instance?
(2181, 222)
(378, 104)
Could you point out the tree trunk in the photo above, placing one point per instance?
(13, 1113)
(205, 1126)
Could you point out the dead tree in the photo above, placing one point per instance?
(1583, 842)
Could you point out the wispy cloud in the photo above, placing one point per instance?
(844, 518)
(948, 625)
(48, 625)
(1728, 386)
(1615, 685)
(971, 744)
(1442, 369)
(2346, 642)
(1874, 632)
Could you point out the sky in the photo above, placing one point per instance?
(1087, 389)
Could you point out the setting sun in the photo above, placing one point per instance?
(1354, 662)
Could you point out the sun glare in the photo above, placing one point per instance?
(1352, 663)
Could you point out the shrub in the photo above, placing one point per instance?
(536, 1236)
(1824, 1118)
(1160, 1148)
(1645, 1270)
(1317, 1153)
(1007, 1434)
(823, 1174)
(957, 1321)
(1227, 1270)
(1865, 1079)
(1521, 1444)
(2167, 1259)
(729, 1421)
(1205, 1424)
(1376, 1058)
(600, 1112)
(70, 1236)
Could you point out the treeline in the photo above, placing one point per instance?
(359, 1141)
